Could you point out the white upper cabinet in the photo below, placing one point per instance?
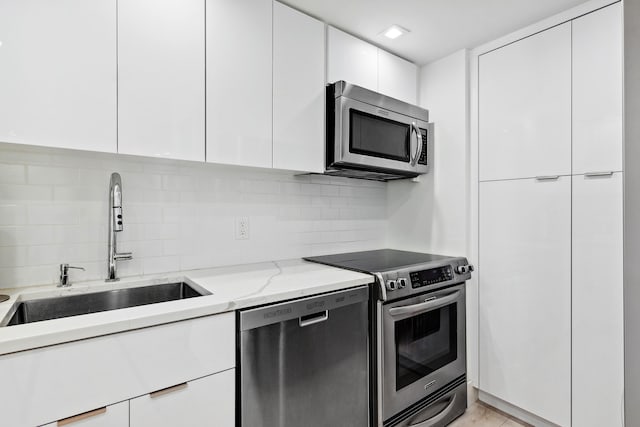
(397, 78)
(597, 91)
(525, 295)
(351, 59)
(298, 90)
(363, 64)
(161, 78)
(598, 341)
(58, 73)
(525, 107)
(239, 82)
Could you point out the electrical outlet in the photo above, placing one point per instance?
(242, 228)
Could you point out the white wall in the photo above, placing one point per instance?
(433, 214)
(177, 215)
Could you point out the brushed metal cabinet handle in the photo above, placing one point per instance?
(547, 177)
(597, 174)
(168, 390)
(83, 416)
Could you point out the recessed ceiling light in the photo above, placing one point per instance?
(394, 31)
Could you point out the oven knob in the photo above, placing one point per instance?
(471, 268)
(402, 283)
(391, 285)
(461, 269)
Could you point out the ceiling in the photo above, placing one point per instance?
(438, 27)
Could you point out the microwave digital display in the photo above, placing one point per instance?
(371, 135)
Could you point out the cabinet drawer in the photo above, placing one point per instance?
(208, 401)
(109, 416)
(60, 381)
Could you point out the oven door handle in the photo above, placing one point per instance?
(429, 304)
(435, 420)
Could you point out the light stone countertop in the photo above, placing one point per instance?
(231, 288)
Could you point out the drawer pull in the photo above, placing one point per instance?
(597, 174)
(80, 417)
(168, 390)
(547, 177)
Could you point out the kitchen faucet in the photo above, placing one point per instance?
(115, 225)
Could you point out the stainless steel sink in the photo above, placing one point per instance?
(74, 305)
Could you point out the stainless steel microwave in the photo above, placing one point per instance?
(373, 136)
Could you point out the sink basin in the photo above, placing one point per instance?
(74, 305)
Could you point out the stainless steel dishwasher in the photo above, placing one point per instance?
(306, 362)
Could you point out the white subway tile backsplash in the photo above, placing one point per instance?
(12, 214)
(47, 175)
(164, 264)
(52, 214)
(12, 174)
(13, 256)
(13, 192)
(177, 215)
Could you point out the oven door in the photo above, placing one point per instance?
(369, 136)
(424, 349)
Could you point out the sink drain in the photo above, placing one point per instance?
(4, 298)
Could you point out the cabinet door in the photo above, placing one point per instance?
(161, 78)
(110, 416)
(525, 295)
(239, 82)
(597, 320)
(208, 401)
(351, 59)
(58, 73)
(525, 107)
(597, 91)
(397, 78)
(298, 90)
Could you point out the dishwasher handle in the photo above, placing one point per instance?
(312, 319)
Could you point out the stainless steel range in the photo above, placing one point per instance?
(419, 334)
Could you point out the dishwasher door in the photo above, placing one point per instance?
(305, 363)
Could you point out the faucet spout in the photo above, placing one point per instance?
(115, 225)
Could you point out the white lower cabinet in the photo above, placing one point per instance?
(62, 381)
(116, 415)
(597, 320)
(205, 401)
(525, 295)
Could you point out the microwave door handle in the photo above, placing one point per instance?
(418, 150)
(428, 304)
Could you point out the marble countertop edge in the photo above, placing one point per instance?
(232, 288)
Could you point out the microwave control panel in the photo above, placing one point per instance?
(423, 155)
(431, 276)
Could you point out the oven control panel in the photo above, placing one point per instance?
(431, 276)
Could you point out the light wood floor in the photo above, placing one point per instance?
(480, 415)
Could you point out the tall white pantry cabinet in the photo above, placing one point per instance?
(550, 222)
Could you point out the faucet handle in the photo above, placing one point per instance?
(64, 274)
